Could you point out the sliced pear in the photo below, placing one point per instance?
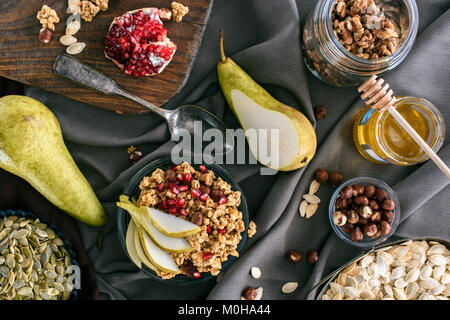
(129, 241)
(169, 244)
(158, 257)
(256, 109)
(140, 252)
(170, 225)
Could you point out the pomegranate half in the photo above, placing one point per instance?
(137, 43)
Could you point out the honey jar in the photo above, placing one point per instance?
(379, 138)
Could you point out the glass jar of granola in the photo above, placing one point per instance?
(346, 41)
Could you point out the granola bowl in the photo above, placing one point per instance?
(224, 216)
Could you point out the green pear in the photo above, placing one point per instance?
(32, 147)
(255, 108)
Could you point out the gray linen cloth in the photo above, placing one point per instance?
(263, 36)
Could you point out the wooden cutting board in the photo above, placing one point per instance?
(25, 59)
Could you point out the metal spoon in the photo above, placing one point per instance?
(180, 120)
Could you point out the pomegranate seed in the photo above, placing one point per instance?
(180, 177)
(208, 229)
(161, 187)
(172, 202)
(207, 255)
(182, 211)
(202, 168)
(223, 200)
(222, 231)
(196, 274)
(183, 188)
(195, 193)
(187, 178)
(163, 205)
(174, 168)
(173, 209)
(204, 197)
(180, 202)
(175, 190)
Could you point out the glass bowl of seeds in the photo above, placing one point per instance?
(36, 260)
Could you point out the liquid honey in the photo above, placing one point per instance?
(379, 138)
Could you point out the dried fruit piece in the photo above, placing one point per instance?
(75, 48)
(137, 43)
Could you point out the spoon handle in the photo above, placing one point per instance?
(83, 74)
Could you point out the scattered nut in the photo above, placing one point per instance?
(388, 205)
(255, 272)
(387, 216)
(370, 229)
(385, 227)
(294, 256)
(45, 35)
(289, 287)
(321, 175)
(335, 178)
(346, 192)
(320, 112)
(250, 293)
(165, 14)
(179, 11)
(352, 216)
(365, 212)
(312, 256)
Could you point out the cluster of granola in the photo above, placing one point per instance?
(179, 11)
(47, 17)
(218, 215)
(88, 10)
(363, 29)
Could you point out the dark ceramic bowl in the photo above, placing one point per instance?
(67, 243)
(132, 190)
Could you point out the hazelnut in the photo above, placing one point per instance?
(45, 35)
(165, 14)
(365, 212)
(294, 256)
(312, 256)
(376, 217)
(340, 203)
(171, 175)
(197, 218)
(374, 204)
(358, 189)
(346, 192)
(380, 194)
(347, 227)
(250, 293)
(339, 218)
(370, 229)
(335, 178)
(387, 216)
(216, 194)
(385, 227)
(352, 216)
(321, 175)
(388, 205)
(205, 189)
(356, 234)
(320, 112)
(361, 200)
(369, 191)
(349, 201)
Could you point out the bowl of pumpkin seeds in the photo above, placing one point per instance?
(36, 260)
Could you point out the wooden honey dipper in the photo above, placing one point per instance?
(381, 97)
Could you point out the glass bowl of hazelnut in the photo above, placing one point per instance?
(364, 211)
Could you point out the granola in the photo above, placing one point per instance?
(209, 202)
(179, 11)
(251, 229)
(102, 4)
(363, 28)
(88, 10)
(47, 17)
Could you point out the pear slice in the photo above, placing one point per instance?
(158, 257)
(129, 241)
(169, 244)
(170, 225)
(140, 252)
(256, 109)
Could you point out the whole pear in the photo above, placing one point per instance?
(256, 109)
(32, 147)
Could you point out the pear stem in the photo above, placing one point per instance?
(222, 53)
